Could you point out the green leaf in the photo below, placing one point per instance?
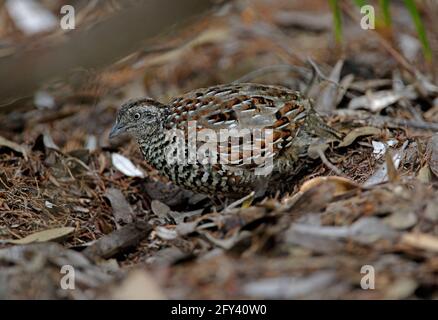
(384, 6)
(412, 8)
(360, 3)
(337, 19)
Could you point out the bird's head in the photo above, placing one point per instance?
(139, 118)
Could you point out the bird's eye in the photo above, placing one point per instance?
(137, 116)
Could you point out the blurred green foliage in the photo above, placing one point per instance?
(384, 7)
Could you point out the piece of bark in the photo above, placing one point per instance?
(118, 241)
(122, 211)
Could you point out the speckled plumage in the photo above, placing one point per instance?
(294, 123)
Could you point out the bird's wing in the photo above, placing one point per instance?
(262, 118)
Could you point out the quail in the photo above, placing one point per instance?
(226, 139)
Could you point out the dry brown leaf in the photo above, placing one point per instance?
(341, 184)
(14, 146)
(424, 175)
(44, 236)
(421, 241)
(358, 132)
(390, 166)
(122, 211)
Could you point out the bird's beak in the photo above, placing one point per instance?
(116, 130)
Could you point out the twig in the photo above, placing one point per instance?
(328, 164)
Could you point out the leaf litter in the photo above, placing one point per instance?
(130, 234)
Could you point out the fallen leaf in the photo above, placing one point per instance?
(379, 149)
(165, 233)
(390, 167)
(48, 142)
(326, 100)
(377, 101)
(44, 236)
(358, 132)
(381, 174)
(119, 240)
(14, 146)
(421, 241)
(341, 184)
(424, 175)
(125, 166)
(122, 211)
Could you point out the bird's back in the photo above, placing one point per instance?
(277, 122)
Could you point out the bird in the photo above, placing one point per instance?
(228, 139)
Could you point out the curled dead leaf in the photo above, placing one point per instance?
(316, 193)
(421, 241)
(358, 132)
(341, 184)
(14, 146)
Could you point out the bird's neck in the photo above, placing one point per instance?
(151, 146)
